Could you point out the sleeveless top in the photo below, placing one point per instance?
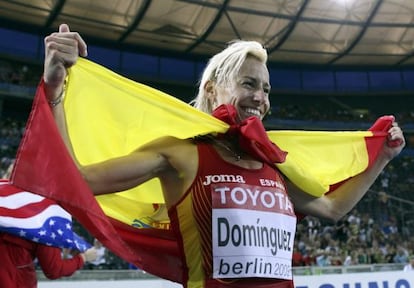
(235, 226)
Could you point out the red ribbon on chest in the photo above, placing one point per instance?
(251, 134)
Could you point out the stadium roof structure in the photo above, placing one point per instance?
(299, 32)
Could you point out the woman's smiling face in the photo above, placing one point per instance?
(249, 92)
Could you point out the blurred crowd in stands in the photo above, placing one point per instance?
(11, 131)
(379, 230)
(332, 111)
(19, 73)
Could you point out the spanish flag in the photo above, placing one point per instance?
(109, 116)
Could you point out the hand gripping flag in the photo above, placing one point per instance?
(109, 116)
(37, 219)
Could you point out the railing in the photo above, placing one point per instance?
(315, 270)
(297, 271)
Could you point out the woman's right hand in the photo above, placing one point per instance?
(62, 50)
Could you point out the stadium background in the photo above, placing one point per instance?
(334, 65)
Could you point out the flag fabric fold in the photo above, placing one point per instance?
(109, 116)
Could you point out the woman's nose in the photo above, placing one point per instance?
(260, 95)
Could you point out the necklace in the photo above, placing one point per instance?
(236, 155)
(213, 140)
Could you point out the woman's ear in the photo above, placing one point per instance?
(210, 90)
(211, 94)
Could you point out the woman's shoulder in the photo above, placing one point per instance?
(175, 149)
(167, 142)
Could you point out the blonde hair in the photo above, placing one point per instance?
(223, 68)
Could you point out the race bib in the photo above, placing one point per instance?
(253, 231)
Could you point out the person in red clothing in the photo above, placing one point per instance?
(232, 212)
(18, 267)
(18, 255)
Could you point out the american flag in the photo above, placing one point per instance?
(37, 219)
